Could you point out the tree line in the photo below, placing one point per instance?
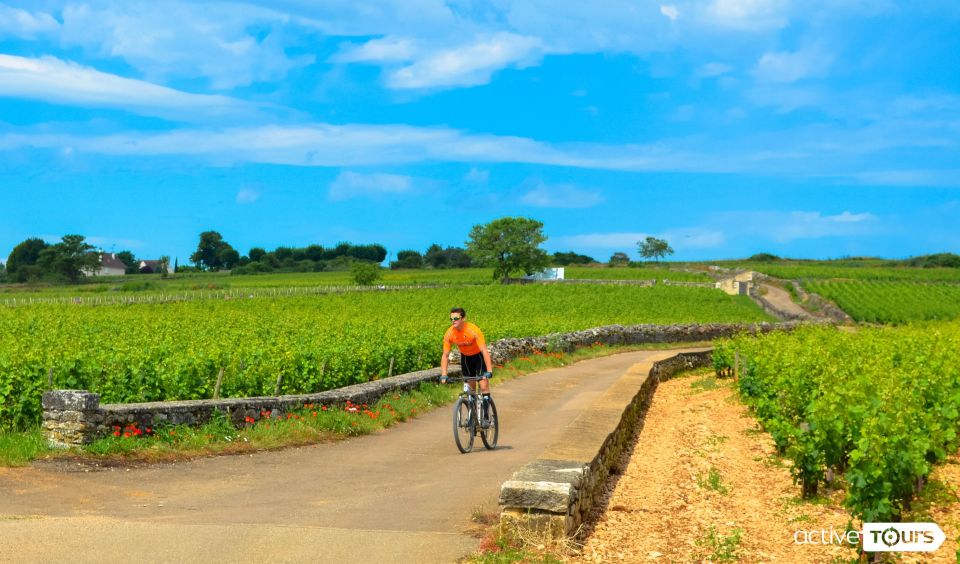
(511, 245)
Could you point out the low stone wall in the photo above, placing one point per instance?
(552, 498)
(75, 417)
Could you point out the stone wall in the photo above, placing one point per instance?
(75, 417)
(552, 498)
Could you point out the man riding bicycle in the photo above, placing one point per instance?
(474, 356)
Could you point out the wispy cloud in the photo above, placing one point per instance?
(671, 12)
(26, 25)
(229, 44)
(784, 227)
(470, 64)
(356, 185)
(477, 176)
(247, 196)
(55, 81)
(560, 196)
(791, 66)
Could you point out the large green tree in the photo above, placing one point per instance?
(22, 262)
(510, 245)
(653, 248)
(211, 251)
(69, 260)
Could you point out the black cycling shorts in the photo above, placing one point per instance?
(473, 365)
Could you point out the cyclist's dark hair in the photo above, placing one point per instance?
(460, 310)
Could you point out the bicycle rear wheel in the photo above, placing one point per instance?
(463, 425)
(490, 429)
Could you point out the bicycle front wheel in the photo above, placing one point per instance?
(490, 427)
(463, 425)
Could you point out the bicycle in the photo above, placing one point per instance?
(467, 417)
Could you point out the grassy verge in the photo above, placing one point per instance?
(311, 424)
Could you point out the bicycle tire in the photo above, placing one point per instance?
(464, 427)
(490, 435)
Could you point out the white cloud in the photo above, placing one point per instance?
(784, 227)
(230, 44)
(15, 22)
(468, 65)
(477, 176)
(355, 185)
(52, 80)
(669, 11)
(383, 50)
(786, 66)
(247, 196)
(749, 14)
(560, 196)
(714, 69)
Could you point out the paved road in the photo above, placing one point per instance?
(403, 495)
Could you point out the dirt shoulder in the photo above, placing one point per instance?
(703, 484)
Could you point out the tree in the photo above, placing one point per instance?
(256, 253)
(364, 273)
(229, 258)
(619, 259)
(563, 259)
(209, 251)
(164, 266)
(70, 259)
(130, 261)
(21, 264)
(653, 248)
(407, 259)
(510, 245)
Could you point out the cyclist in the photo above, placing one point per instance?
(474, 356)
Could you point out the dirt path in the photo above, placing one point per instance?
(781, 301)
(404, 495)
(702, 484)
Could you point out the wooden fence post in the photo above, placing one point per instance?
(736, 366)
(276, 390)
(390, 371)
(216, 387)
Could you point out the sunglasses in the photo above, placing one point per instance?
(453, 319)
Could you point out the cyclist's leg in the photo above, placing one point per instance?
(472, 366)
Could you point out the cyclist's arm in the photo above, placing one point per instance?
(444, 359)
(486, 357)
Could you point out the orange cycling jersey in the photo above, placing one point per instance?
(469, 340)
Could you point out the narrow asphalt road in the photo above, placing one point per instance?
(403, 495)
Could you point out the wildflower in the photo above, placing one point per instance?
(323, 408)
(172, 433)
(126, 434)
(314, 413)
(116, 433)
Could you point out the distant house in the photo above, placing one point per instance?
(110, 265)
(152, 266)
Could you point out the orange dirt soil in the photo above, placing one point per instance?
(702, 474)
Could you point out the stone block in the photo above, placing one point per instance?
(70, 400)
(545, 496)
(532, 525)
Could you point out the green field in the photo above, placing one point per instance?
(146, 352)
(638, 273)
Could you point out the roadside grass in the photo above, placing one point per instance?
(19, 448)
(723, 548)
(308, 425)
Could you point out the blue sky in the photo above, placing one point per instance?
(729, 127)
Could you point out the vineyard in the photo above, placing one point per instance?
(151, 352)
(826, 271)
(872, 410)
(195, 283)
(890, 302)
